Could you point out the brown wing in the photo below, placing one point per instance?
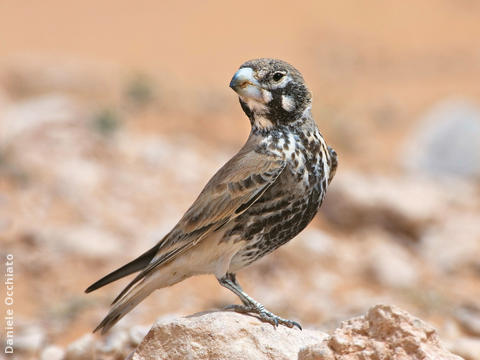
(231, 191)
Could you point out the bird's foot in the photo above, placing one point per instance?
(264, 315)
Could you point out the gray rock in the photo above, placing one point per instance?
(447, 141)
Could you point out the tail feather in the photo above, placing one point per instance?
(125, 305)
(133, 266)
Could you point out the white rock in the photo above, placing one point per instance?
(384, 332)
(467, 347)
(115, 343)
(30, 339)
(52, 352)
(137, 333)
(78, 173)
(28, 115)
(223, 335)
(81, 349)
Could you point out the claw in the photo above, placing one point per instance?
(264, 315)
(276, 321)
(297, 325)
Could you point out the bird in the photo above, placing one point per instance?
(259, 200)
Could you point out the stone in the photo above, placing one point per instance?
(223, 335)
(467, 347)
(137, 333)
(384, 332)
(115, 343)
(403, 206)
(391, 264)
(469, 318)
(447, 141)
(438, 249)
(81, 349)
(319, 351)
(30, 339)
(52, 352)
(31, 114)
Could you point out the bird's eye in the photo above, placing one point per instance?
(278, 76)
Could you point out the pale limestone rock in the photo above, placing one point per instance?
(137, 333)
(385, 332)
(468, 347)
(81, 349)
(115, 343)
(52, 352)
(30, 339)
(32, 114)
(223, 335)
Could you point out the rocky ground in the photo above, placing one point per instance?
(97, 162)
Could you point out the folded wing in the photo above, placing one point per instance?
(231, 191)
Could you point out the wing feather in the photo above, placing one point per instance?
(230, 192)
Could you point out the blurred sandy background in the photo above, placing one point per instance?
(114, 114)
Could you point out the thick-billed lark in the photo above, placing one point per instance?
(259, 200)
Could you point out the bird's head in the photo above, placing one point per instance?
(272, 92)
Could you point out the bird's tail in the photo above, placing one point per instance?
(125, 304)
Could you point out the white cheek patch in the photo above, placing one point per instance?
(288, 104)
(267, 96)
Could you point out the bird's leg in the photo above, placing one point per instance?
(250, 306)
(233, 278)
